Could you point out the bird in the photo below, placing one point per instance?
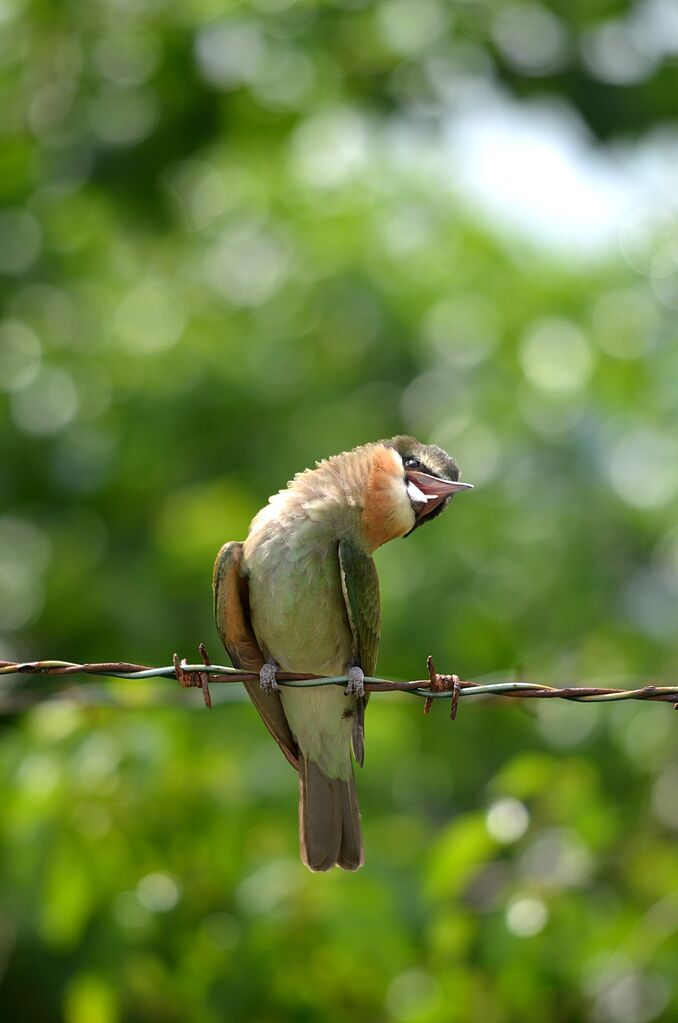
(301, 595)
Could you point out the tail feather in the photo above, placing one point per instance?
(351, 855)
(358, 736)
(329, 820)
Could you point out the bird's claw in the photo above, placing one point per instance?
(267, 679)
(356, 681)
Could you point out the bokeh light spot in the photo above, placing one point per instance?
(38, 775)
(643, 467)
(330, 148)
(556, 357)
(20, 355)
(552, 415)
(625, 323)
(128, 912)
(269, 886)
(413, 995)
(286, 81)
(47, 404)
(565, 725)
(149, 319)
(462, 330)
(127, 58)
(158, 892)
(249, 264)
(611, 52)
(531, 38)
(625, 995)
(557, 858)
(647, 240)
(20, 240)
(507, 820)
(198, 191)
(526, 916)
(410, 26)
(230, 53)
(123, 117)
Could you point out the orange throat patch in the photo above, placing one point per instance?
(387, 512)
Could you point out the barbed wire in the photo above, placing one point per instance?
(436, 687)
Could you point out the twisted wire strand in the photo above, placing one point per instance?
(437, 686)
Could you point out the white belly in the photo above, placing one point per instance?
(321, 720)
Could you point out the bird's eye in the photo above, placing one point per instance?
(412, 463)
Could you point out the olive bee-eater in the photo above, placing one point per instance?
(301, 595)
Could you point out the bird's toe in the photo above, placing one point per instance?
(356, 681)
(267, 679)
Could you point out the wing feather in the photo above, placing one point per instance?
(234, 625)
(360, 586)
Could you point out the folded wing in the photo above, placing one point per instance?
(234, 625)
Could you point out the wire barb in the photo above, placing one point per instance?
(442, 684)
(189, 678)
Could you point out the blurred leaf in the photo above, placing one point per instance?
(457, 854)
(89, 999)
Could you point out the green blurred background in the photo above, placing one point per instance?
(238, 237)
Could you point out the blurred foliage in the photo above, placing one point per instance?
(230, 244)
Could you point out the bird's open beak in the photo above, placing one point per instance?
(434, 490)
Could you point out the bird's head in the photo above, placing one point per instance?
(431, 478)
(409, 483)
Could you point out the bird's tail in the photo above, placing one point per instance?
(329, 820)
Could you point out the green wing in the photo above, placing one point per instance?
(360, 585)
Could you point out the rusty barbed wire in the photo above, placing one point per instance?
(437, 686)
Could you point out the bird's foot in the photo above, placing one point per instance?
(356, 681)
(267, 679)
